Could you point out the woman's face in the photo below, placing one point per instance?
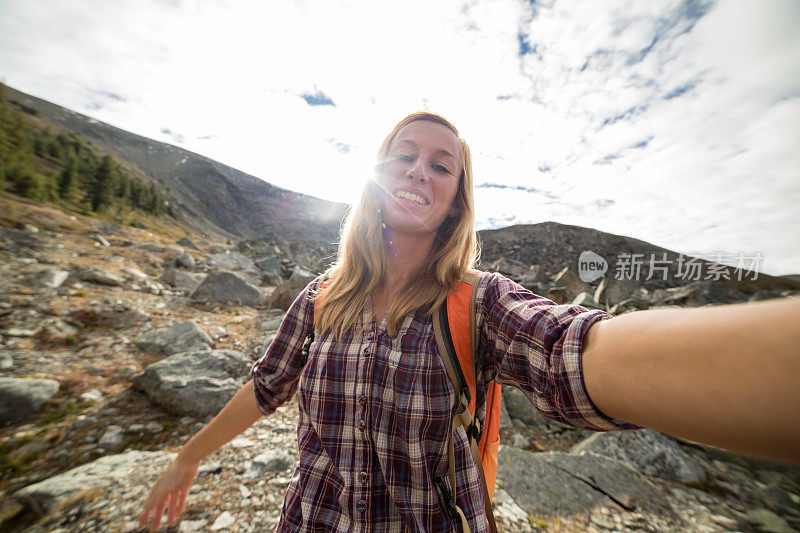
(420, 178)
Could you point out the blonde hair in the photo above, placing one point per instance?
(360, 268)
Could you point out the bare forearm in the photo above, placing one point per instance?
(727, 376)
(240, 413)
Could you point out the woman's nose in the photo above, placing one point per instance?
(417, 172)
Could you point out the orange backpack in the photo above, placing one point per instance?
(455, 333)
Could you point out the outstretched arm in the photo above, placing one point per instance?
(727, 376)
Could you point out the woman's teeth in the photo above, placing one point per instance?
(411, 197)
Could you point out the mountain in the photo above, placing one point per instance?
(223, 203)
(215, 199)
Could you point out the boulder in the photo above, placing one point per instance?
(229, 289)
(116, 317)
(21, 398)
(231, 261)
(521, 410)
(269, 463)
(270, 265)
(95, 275)
(58, 332)
(561, 484)
(198, 383)
(151, 247)
(186, 243)
(58, 491)
(567, 278)
(217, 249)
(180, 279)
(586, 300)
(646, 451)
(182, 337)
(49, 279)
(185, 260)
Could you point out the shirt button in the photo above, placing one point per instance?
(361, 506)
(362, 399)
(370, 336)
(363, 477)
(362, 424)
(366, 350)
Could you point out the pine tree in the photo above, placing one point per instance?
(103, 185)
(68, 179)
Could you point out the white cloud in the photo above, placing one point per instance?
(584, 116)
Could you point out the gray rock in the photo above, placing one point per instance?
(102, 240)
(646, 451)
(217, 249)
(561, 484)
(586, 300)
(51, 279)
(182, 337)
(6, 361)
(112, 437)
(185, 260)
(58, 331)
(186, 243)
(223, 521)
(269, 463)
(190, 526)
(56, 492)
(180, 279)
(95, 275)
(270, 264)
(116, 317)
(231, 261)
(229, 289)
(521, 409)
(273, 323)
(571, 281)
(174, 248)
(150, 247)
(301, 277)
(19, 332)
(768, 521)
(21, 398)
(197, 384)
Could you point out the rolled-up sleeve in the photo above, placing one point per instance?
(529, 342)
(276, 373)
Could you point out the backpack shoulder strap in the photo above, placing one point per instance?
(310, 337)
(454, 326)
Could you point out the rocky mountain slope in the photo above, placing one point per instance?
(106, 330)
(214, 198)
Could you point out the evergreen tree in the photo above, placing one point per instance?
(68, 179)
(103, 185)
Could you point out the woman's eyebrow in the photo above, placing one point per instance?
(439, 151)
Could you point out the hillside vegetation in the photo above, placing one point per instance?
(42, 162)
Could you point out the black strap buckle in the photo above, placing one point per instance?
(306, 348)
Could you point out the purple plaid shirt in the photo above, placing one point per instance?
(375, 410)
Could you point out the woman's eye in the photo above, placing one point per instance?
(404, 158)
(441, 168)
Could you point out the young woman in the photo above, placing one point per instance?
(375, 401)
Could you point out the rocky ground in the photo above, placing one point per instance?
(87, 309)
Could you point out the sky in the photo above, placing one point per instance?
(674, 122)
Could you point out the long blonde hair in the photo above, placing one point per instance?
(360, 268)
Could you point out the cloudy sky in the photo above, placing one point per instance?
(675, 122)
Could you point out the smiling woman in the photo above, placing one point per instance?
(377, 431)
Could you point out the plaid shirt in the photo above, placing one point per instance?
(375, 410)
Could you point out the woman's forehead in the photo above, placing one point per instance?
(428, 132)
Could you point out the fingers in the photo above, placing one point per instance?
(174, 504)
(157, 514)
(182, 505)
